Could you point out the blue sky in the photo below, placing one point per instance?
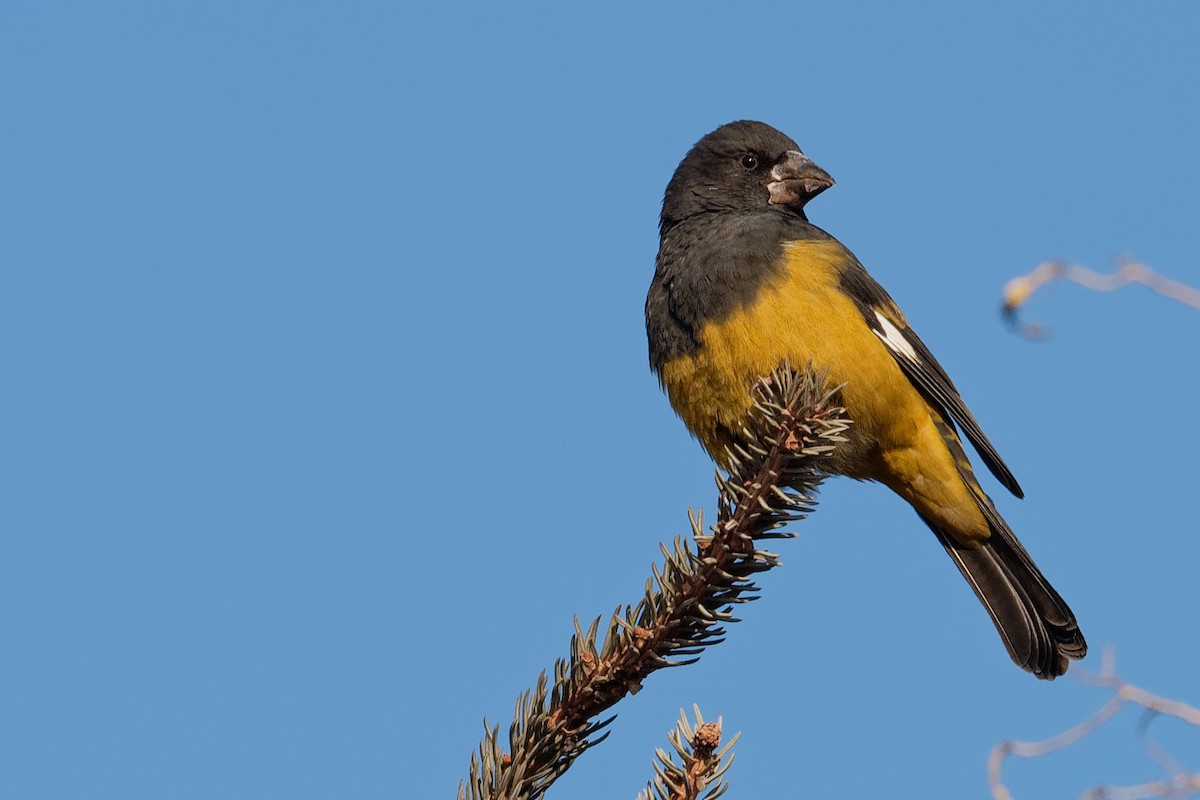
(326, 402)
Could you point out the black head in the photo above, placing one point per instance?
(742, 166)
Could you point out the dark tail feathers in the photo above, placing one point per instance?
(1037, 627)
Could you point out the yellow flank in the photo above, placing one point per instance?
(805, 318)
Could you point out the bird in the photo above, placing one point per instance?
(744, 284)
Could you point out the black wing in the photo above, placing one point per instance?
(889, 324)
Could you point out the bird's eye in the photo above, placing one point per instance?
(750, 161)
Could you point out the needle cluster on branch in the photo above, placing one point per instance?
(701, 765)
(796, 422)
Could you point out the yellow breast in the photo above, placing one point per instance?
(803, 317)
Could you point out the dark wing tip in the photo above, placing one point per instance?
(1001, 471)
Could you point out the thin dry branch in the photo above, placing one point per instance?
(1018, 291)
(1180, 784)
(795, 424)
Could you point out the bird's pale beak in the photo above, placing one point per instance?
(795, 180)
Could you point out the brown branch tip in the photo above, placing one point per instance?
(699, 773)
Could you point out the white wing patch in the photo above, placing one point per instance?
(894, 339)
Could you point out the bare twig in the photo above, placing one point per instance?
(1183, 786)
(1181, 783)
(1018, 291)
(795, 424)
(701, 767)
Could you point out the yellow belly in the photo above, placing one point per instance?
(804, 318)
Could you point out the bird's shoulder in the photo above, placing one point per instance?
(708, 266)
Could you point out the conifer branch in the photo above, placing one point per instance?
(701, 768)
(773, 479)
